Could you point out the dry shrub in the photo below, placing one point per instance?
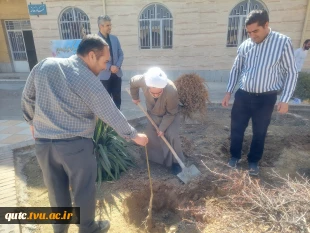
(193, 95)
(250, 206)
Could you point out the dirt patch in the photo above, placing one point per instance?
(125, 201)
(169, 200)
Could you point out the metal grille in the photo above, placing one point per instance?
(18, 46)
(73, 24)
(15, 30)
(18, 25)
(155, 27)
(236, 22)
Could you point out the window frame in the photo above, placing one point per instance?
(152, 17)
(238, 16)
(72, 24)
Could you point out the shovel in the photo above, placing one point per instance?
(187, 174)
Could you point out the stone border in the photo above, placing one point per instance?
(8, 193)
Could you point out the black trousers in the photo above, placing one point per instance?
(259, 108)
(114, 87)
(70, 162)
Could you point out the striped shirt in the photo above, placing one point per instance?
(62, 99)
(267, 66)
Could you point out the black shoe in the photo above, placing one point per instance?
(176, 168)
(253, 169)
(233, 162)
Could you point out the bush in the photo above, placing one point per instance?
(248, 205)
(302, 90)
(110, 152)
(193, 94)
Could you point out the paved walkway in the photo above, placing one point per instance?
(16, 131)
(13, 131)
(8, 197)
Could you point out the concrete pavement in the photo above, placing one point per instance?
(13, 128)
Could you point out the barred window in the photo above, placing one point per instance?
(73, 24)
(155, 27)
(236, 22)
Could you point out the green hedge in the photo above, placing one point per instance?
(302, 90)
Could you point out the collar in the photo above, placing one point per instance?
(267, 37)
(79, 60)
(100, 34)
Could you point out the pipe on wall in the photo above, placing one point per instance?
(305, 25)
(104, 7)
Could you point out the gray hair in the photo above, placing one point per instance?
(103, 18)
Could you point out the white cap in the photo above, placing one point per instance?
(155, 77)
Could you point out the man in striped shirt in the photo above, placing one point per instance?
(262, 62)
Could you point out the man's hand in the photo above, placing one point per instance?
(136, 101)
(141, 139)
(160, 133)
(225, 101)
(32, 131)
(114, 69)
(282, 107)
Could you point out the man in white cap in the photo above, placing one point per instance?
(162, 103)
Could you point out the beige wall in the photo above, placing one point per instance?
(307, 36)
(199, 36)
(200, 29)
(45, 28)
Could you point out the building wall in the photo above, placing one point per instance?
(45, 28)
(9, 10)
(199, 32)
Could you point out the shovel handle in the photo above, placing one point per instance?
(162, 137)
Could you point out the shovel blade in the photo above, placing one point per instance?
(189, 173)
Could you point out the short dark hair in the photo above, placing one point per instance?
(91, 43)
(257, 16)
(306, 41)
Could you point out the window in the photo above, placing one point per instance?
(236, 23)
(155, 27)
(73, 24)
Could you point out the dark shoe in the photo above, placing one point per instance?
(176, 168)
(253, 169)
(104, 226)
(233, 162)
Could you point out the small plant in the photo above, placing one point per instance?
(193, 95)
(110, 151)
(302, 90)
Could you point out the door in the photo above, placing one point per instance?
(15, 34)
(30, 49)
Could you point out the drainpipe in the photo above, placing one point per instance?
(305, 25)
(104, 7)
